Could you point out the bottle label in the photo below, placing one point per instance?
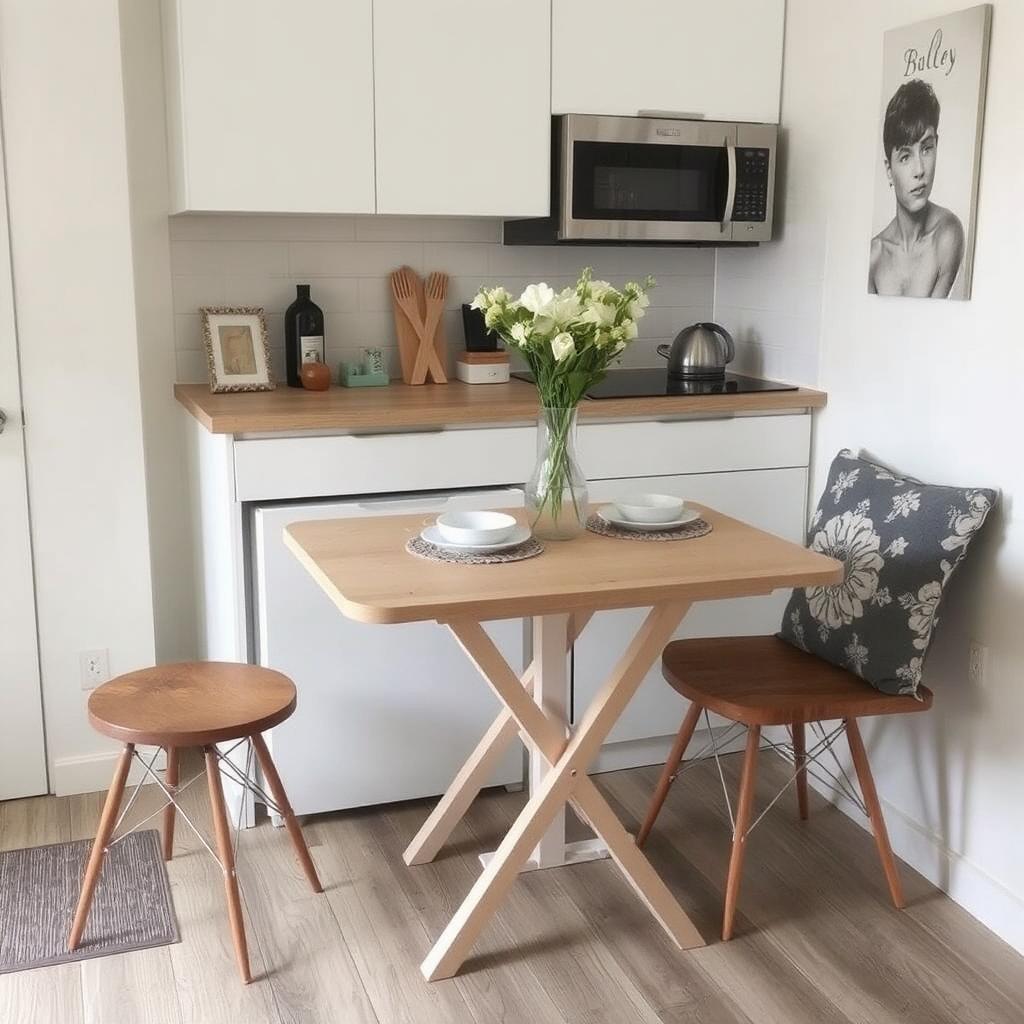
(311, 347)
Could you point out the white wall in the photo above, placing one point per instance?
(930, 386)
(60, 80)
(166, 475)
(253, 260)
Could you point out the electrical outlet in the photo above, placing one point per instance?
(977, 662)
(95, 668)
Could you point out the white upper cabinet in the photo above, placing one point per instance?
(270, 105)
(721, 59)
(463, 106)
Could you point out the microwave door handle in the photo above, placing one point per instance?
(730, 194)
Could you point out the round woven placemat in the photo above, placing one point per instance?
(698, 528)
(423, 549)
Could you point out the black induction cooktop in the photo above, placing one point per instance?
(646, 383)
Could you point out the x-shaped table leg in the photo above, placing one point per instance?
(567, 782)
(478, 768)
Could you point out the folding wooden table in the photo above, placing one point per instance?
(363, 566)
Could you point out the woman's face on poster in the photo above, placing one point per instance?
(911, 171)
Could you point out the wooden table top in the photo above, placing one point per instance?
(363, 566)
(399, 406)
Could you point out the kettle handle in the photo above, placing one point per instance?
(664, 351)
(730, 345)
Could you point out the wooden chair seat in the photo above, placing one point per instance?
(191, 704)
(761, 680)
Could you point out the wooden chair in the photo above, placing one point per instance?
(761, 681)
(193, 704)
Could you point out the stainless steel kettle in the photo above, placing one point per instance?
(700, 350)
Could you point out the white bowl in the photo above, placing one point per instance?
(650, 508)
(475, 527)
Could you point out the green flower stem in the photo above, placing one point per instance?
(559, 422)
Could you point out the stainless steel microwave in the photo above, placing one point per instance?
(655, 180)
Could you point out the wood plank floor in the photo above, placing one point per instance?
(817, 940)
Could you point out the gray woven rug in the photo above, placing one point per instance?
(39, 889)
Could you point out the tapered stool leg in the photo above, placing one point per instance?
(867, 788)
(99, 847)
(171, 778)
(744, 811)
(799, 763)
(292, 824)
(668, 774)
(227, 860)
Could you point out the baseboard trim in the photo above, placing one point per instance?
(92, 773)
(982, 896)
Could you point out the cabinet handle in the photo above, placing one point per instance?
(3, 420)
(409, 504)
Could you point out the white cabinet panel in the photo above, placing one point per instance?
(384, 712)
(773, 500)
(270, 105)
(463, 106)
(717, 445)
(721, 59)
(309, 467)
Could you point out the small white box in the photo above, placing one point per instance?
(482, 373)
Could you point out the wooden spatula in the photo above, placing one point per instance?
(427, 357)
(403, 290)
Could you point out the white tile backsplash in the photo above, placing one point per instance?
(238, 260)
(769, 297)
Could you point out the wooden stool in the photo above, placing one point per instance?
(760, 680)
(193, 704)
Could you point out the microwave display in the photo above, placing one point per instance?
(642, 181)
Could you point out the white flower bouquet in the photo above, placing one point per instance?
(568, 339)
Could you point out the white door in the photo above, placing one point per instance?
(462, 99)
(771, 499)
(22, 754)
(722, 60)
(270, 105)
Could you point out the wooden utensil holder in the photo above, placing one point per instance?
(409, 334)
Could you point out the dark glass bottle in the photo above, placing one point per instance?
(303, 335)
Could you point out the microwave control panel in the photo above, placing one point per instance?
(751, 184)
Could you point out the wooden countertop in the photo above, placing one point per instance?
(438, 405)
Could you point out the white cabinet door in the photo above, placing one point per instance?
(772, 499)
(721, 59)
(384, 713)
(270, 105)
(463, 106)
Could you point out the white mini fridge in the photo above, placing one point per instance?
(384, 713)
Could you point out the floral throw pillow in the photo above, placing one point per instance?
(900, 541)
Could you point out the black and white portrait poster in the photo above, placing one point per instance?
(929, 151)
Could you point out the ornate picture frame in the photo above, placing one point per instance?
(237, 348)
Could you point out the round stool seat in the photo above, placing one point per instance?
(191, 703)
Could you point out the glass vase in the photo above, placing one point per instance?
(556, 493)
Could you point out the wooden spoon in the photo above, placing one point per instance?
(427, 356)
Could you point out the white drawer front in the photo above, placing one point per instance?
(305, 467)
(609, 451)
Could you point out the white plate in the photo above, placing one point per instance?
(432, 535)
(612, 518)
